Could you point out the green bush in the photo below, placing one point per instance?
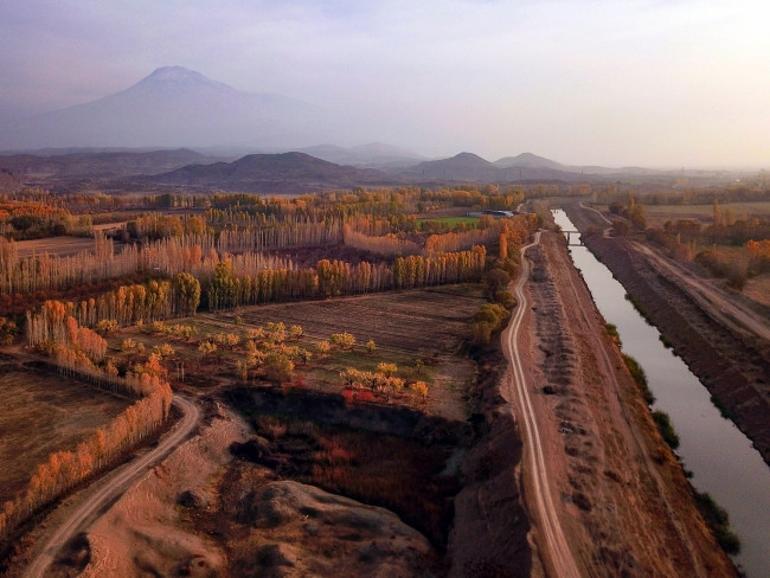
(717, 519)
(637, 372)
(666, 428)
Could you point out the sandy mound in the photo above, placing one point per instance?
(294, 529)
(143, 533)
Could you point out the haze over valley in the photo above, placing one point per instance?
(451, 289)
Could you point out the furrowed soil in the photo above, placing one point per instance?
(42, 413)
(624, 501)
(57, 246)
(422, 331)
(734, 367)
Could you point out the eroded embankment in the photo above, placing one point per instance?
(453, 482)
(735, 368)
(491, 525)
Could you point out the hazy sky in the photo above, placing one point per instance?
(653, 82)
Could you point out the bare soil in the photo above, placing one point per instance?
(58, 246)
(42, 413)
(626, 506)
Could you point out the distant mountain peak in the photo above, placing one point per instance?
(528, 160)
(179, 77)
(175, 73)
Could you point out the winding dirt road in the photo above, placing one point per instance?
(554, 543)
(114, 485)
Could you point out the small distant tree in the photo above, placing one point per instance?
(324, 347)
(128, 345)
(278, 367)
(420, 388)
(387, 369)
(371, 346)
(296, 332)
(163, 350)
(344, 341)
(207, 347)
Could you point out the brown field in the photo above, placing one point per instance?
(758, 289)
(59, 246)
(43, 413)
(430, 325)
(657, 215)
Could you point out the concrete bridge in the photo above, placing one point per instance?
(573, 237)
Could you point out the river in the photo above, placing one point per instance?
(720, 456)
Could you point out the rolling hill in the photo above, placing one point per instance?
(469, 167)
(270, 173)
(529, 161)
(98, 165)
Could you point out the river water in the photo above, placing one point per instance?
(720, 456)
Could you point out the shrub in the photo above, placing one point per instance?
(371, 346)
(388, 369)
(717, 519)
(344, 341)
(666, 428)
(296, 331)
(106, 326)
(612, 331)
(420, 388)
(206, 348)
(163, 350)
(324, 347)
(637, 372)
(278, 367)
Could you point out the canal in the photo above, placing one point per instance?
(721, 458)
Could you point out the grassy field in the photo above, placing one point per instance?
(43, 413)
(421, 331)
(59, 246)
(453, 220)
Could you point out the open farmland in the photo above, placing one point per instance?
(59, 246)
(43, 413)
(657, 215)
(421, 331)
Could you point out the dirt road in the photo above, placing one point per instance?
(554, 546)
(112, 487)
(607, 496)
(722, 305)
(725, 309)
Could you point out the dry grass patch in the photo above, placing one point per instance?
(43, 413)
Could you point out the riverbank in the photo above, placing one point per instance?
(622, 495)
(733, 367)
(719, 458)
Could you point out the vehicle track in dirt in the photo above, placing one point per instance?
(557, 553)
(113, 486)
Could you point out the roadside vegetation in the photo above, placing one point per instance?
(718, 520)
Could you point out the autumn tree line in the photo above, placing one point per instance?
(728, 247)
(79, 351)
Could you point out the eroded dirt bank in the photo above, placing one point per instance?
(491, 526)
(735, 368)
(625, 504)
